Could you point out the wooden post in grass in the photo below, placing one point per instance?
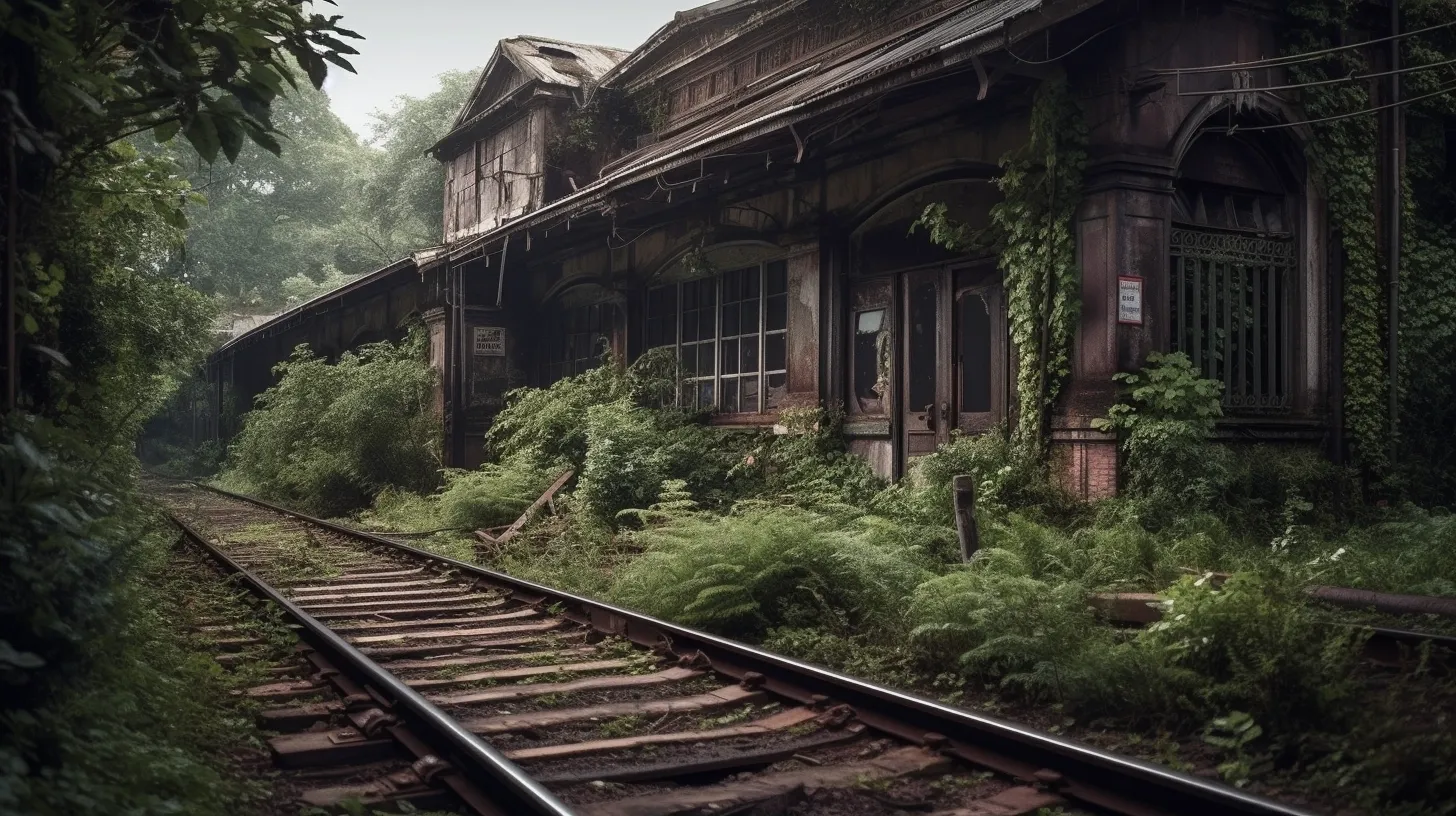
(964, 491)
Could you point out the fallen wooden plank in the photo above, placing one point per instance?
(777, 722)
(912, 761)
(525, 517)
(520, 692)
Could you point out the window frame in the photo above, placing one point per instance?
(555, 365)
(690, 394)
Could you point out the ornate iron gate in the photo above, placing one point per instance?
(1231, 297)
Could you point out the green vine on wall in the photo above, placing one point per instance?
(1344, 155)
(1031, 230)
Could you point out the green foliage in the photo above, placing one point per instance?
(764, 566)
(1259, 648)
(1166, 427)
(1031, 229)
(403, 193)
(611, 424)
(327, 437)
(490, 496)
(151, 726)
(1343, 153)
(1007, 476)
(548, 425)
(808, 464)
(58, 561)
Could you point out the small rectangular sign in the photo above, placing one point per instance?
(1129, 300)
(490, 341)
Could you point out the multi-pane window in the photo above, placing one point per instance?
(731, 336)
(576, 341)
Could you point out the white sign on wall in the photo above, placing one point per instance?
(490, 341)
(1129, 300)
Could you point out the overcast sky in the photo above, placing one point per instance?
(409, 42)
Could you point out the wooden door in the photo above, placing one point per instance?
(926, 362)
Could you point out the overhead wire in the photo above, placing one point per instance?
(1239, 129)
(1293, 59)
(1320, 82)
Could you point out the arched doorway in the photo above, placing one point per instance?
(927, 329)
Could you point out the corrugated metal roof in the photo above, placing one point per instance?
(784, 101)
(285, 317)
(818, 81)
(559, 62)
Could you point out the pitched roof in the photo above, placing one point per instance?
(936, 44)
(544, 60)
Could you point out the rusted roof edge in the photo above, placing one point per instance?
(348, 288)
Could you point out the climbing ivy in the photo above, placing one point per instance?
(1343, 153)
(1031, 231)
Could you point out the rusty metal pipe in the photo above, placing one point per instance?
(1387, 602)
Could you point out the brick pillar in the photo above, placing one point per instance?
(1121, 231)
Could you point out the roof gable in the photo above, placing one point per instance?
(518, 61)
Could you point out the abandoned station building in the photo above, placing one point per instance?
(741, 188)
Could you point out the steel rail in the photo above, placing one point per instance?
(1117, 783)
(508, 788)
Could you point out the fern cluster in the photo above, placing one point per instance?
(766, 565)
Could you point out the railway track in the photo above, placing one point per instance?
(432, 680)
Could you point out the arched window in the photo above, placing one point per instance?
(578, 332)
(1233, 286)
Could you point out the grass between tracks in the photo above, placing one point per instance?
(787, 541)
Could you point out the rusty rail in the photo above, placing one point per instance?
(1078, 772)
(486, 781)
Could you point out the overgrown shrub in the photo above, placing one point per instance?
(763, 566)
(632, 450)
(1007, 478)
(1258, 648)
(808, 463)
(1165, 428)
(490, 496)
(136, 716)
(60, 558)
(549, 425)
(329, 436)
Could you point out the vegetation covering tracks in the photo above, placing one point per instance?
(690, 523)
(598, 747)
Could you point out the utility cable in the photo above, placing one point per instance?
(1237, 129)
(1317, 83)
(1290, 59)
